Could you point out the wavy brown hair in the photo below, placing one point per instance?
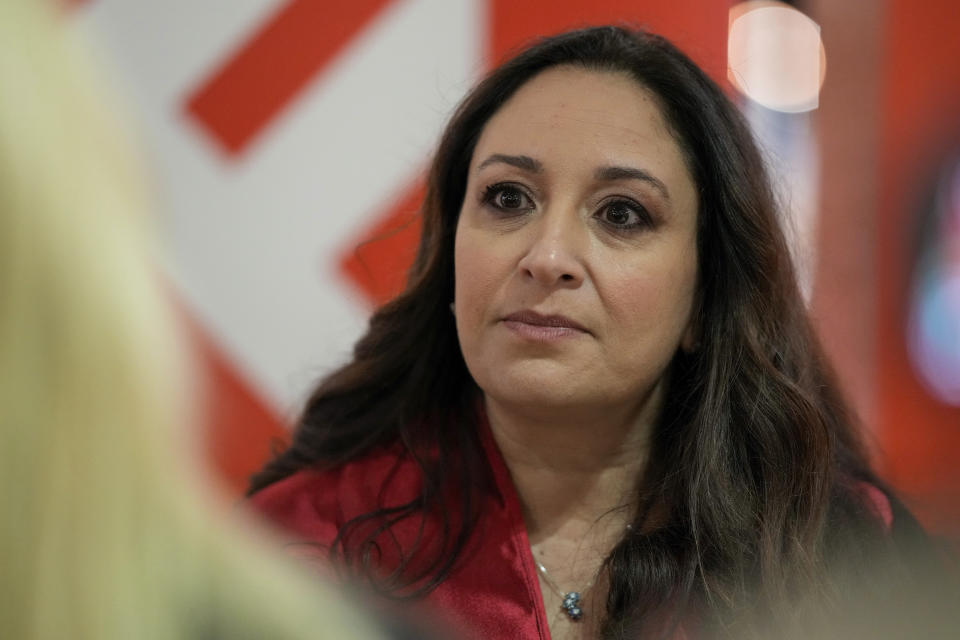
(755, 459)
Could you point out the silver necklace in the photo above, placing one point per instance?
(570, 600)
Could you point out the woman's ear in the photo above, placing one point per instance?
(690, 340)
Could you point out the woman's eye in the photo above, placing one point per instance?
(506, 197)
(623, 214)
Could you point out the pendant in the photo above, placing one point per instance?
(571, 605)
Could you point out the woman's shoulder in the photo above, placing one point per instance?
(300, 503)
(315, 503)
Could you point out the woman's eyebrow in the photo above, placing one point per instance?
(521, 162)
(609, 174)
(602, 174)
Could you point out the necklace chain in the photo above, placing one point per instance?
(570, 600)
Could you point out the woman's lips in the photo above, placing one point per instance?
(536, 326)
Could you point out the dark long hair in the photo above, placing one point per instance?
(755, 448)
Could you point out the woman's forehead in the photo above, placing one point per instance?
(571, 118)
(564, 96)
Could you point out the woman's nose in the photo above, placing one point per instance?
(554, 255)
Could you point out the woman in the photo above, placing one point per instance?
(626, 425)
(104, 533)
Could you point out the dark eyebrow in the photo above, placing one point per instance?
(521, 162)
(609, 174)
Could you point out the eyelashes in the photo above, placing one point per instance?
(624, 215)
(507, 197)
(619, 214)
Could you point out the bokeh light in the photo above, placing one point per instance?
(775, 56)
(934, 327)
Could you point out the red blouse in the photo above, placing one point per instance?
(493, 591)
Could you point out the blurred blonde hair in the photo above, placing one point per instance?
(104, 533)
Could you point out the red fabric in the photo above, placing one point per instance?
(493, 591)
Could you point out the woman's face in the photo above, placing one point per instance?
(576, 262)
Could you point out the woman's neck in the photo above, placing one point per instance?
(574, 471)
(576, 475)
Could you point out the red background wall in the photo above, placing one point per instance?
(920, 122)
